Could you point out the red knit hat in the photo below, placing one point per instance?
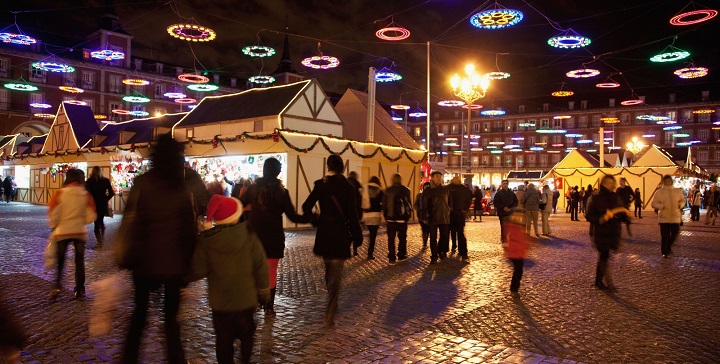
(223, 210)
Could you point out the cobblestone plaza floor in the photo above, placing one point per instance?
(664, 311)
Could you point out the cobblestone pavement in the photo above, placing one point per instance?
(665, 310)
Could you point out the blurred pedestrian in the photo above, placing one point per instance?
(161, 231)
(422, 220)
(531, 201)
(637, 199)
(270, 200)
(713, 200)
(516, 247)
(338, 227)
(437, 204)
(582, 200)
(607, 213)
(574, 203)
(669, 202)
(397, 210)
(247, 208)
(8, 188)
(555, 199)
(232, 258)
(477, 204)
(504, 201)
(585, 197)
(102, 192)
(12, 337)
(461, 198)
(695, 199)
(372, 216)
(360, 202)
(546, 203)
(71, 208)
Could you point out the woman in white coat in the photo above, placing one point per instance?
(669, 202)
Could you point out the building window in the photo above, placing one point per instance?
(673, 116)
(571, 123)
(544, 123)
(531, 160)
(519, 161)
(625, 119)
(703, 135)
(531, 141)
(445, 129)
(258, 126)
(88, 80)
(69, 79)
(557, 124)
(543, 160)
(36, 98)
(115, 84)
(717, 155)
(498, 125)
(113, 106)
(3, 99)
(455, 129)
(90, 104)
(508, 125)
(418, 131)
(532, 124)
(703, 156)
(583, 122)
(190, 133)
(159, 90)
(669, 137)
(486, 126)
(596, 120)
(498, 161)
(37, 75)
(623, 138)
(704, 118)
(555, 158)
(521, 109)
(4, 67)
(583, 104)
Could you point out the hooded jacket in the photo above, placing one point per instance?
(668, 201)
(70, 210)
(233, 260)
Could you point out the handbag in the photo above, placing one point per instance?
(109, 293)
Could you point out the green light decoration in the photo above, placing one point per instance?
(136, 99)
(203, 87)
(670, 54)
(26, 87)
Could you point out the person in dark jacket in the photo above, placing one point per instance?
(338, 227)
(422, 220)
(556, 198)
(477, 203)
(161, 232)
(201, 195)
(270, 200)
(8, 188)
(461, 198)
(102, 192)
(637, 199)
(358, 188)
(606, 213)
(397, 211)
(436, 206)
(504, 201)
(575, 198)
(372, 215)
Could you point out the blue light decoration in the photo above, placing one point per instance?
(175, 95)
(395, 116)
(258, 51)
(568, 39)
(138, 113)
(260, 80)
(451, 103)
(551, 131)
(496, 18)
(652, 117)
(203, 87)
(584, 141)
(672, 127)
(493, 112)
(537, 149)
(17, 38)
(517, 137)
(681, 135)
(136, 99)
(40, 105)
(54, 67)
(418, 113)
(573, 135)
(107, 54)
(386, 75)
(683, 144)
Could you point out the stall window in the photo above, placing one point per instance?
(190, 133)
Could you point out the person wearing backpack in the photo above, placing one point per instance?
(397, 210)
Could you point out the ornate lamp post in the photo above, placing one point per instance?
(635, 146)
(469, 88)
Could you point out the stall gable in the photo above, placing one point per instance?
(575, 159)
(311, 111)
(73, 128)
(654, 157)
(7, 144)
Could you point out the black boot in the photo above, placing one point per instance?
(270, 306)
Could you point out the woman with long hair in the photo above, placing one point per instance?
(101, 191)
(373, 214)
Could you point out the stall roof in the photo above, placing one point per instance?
(83, 122)
(248, 104)
(526, 175)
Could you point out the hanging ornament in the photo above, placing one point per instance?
(400, 107)
(496, 18)
(138, 113)
(395, 116)
(75, 102)
(120, 112)
(497, 74)
(670, 54)
(191, 32)
(135, 82)
(185, 101)
(633, 100)
(693, 16)
(562, 92)
(386, 75)
(450, 103)
(262, 80)
(138, 99)
(321, 62)
(583, 73)
(44, 115)
(40, 105)
(52, 64)
(608, 83)
(493, 112)
(20, 85)
(610, 120)
(72, 90)
(16, 37)
(193, 78)
(417, 113)
(203, 87)
(258, 51)
(691, 72)
(568, 39)
(392, 32)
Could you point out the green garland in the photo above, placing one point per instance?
(351, 147)
(597, 170)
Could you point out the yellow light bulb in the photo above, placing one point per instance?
(455, 81)
(470, 69)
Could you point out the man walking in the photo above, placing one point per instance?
(436, 206)
(669, 202)
(504, 201)
(711, 204)
(555, 198)
(695, 201)
(461, 197)
(397, 210)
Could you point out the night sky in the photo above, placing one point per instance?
(625, 34)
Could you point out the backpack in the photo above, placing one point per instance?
(403, 207)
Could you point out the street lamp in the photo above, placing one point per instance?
(635, 146)
(469, 88)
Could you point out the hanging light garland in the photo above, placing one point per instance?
(691, 72)
(16, 38)
(135, 82)
(138, 113)
(400, 107)
(174, 95)
(451, 103)
(392, 32)
(203, 87)
(703, 111)
(40, 105)
(193, 78)
(191, 32)
(72, 90)
(321, 62)
(610, 120)
(107, 54)
(18, 86)
(44, 115)
(582, 73)
(680, 135)
(692, 17)
(568, 39)
(258, 51)
(53, 67)
(120, 112)
(418, 113)
(563, 93)
(496, 18)
(472, 107)
(100, 117)
(260, 80)
(493, 112)
(386, 75)
(633, 100)
(136, 99)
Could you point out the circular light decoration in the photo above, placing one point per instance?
(683, 144)
(136, 99)
(20, 86)
(691, 72)
(321, 62)
(652, 117)
(517, 137)
(191, 106)
(693, 17)
(584, 141)
(261, 80)
(138, 113)
(583, 73)
(386, 75)
(608, 83)
(572, 135)
(191, 32)
(451, 103)
(418, 113)
(666, 122)
(120, 112)
(493, 112)
(193, 78)
(568, 39)
(703, 111)
(680, 135)
(40, 105)
(107, 54)
(44, 115)
(561, 117)
(400, 107)
(673, 127)
(16, 38)
(72, 90)
(203, 87)
(258, 51)
(395, 116)
(135, 82)
(497, 18)
(496, 143)
(392, 33)
(175, 95)
(497, 75)
(537, 149)
(54, 67)
(562, 93)
(670, 54)
(648, 135)
(185, 101)
(472, 107)
(511, 146)
(610, 120)
(631, 102)
(75, 102)
(100, 117)
(551, 131)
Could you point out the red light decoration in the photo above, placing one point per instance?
(472, 107)
(120, 112)
(191, 32)
(185, 101)
(693, 17)
(632, 102)
(193, 78)
(135, 82)
(392, 33)
(607, 85)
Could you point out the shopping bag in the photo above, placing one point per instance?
(108, 293)
(51, 252)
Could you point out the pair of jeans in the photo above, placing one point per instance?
(518, 264)
(531, 218)
(231, 326)
(503, 228)
(79, 262)
(373, 236)
(425, 228)
(443, 244)
(668, 234)
(695, 213)
(711, 213)
(601, 272)
(333, 278)
(399, 229)
(574, 210)
(545, 222)
(457, 233)
(143, 286)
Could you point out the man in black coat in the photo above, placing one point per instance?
(477, 203)
(337, 227)
(397, 210)
(436, 206)
(462, 198)
(504, 201)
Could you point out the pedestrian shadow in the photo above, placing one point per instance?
(428, 297)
